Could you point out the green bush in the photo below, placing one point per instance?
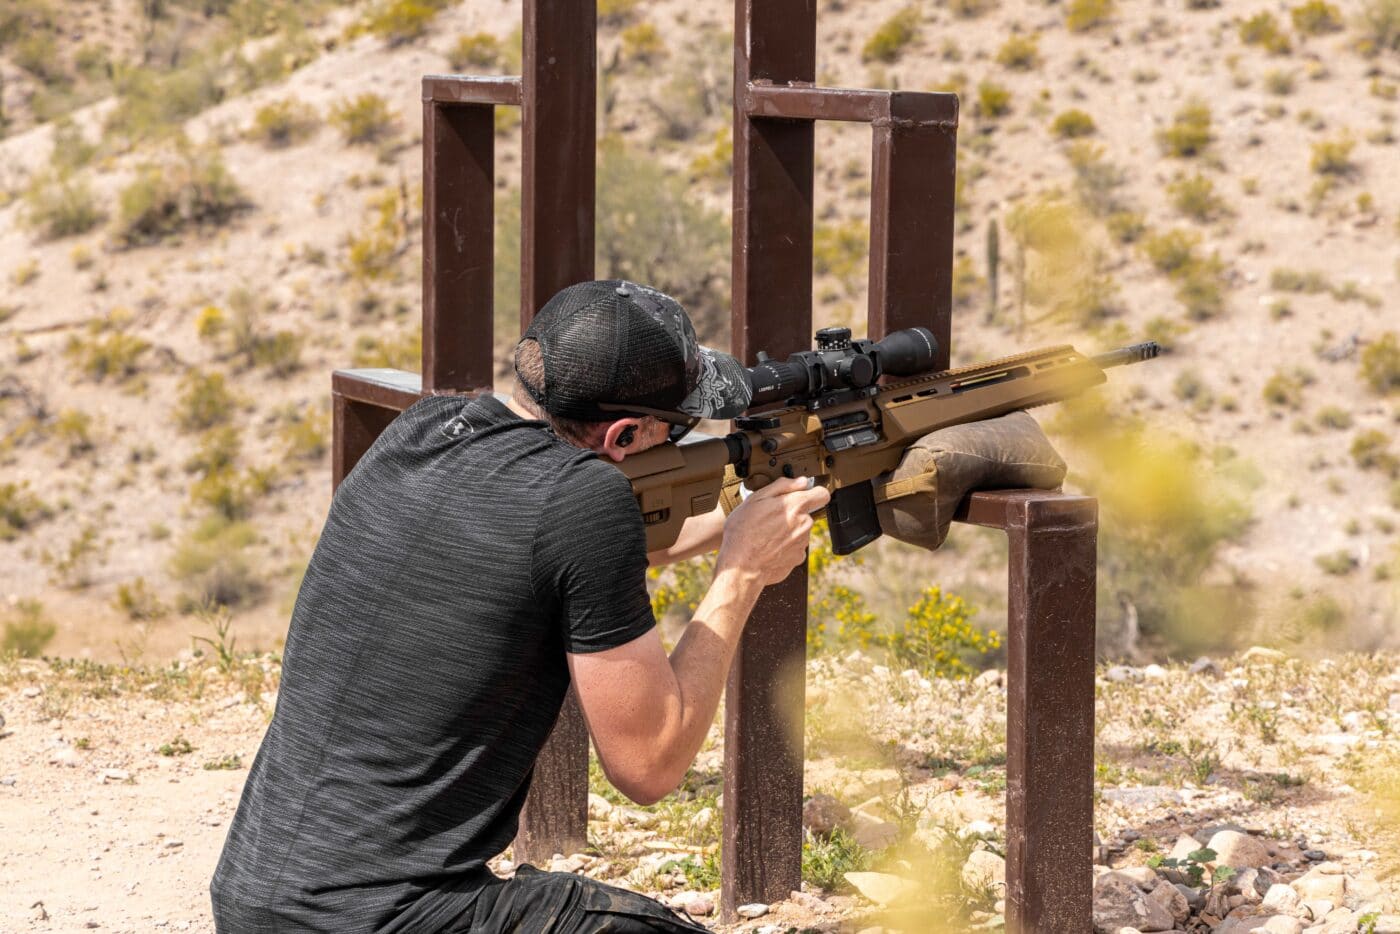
(1337, 419)
(138, 601)
(217, 451)
(305, 437)
(970, 8)
(889, 41)
(1279, 82)
(1305, 281)
(841, 249)
(1263, 30)
(1019, 53)
(205, 401)
(1380, 364)
(1315, 18)
(616, 12)
(1189, 133)
(993, 100)
(230, 494)
(1338, 563)
(1333, 157)
(28, 631)
(400, 21)
(1195, 197)
(58, 204)
(282, 123)
(1072, 124)
(1082, 15)
(1379, 23)
(1371, 451)
(73, 429)
(108, 350)
(366, 119)
(213, 561)
(152, 103)
(401, 352)
(642, 42)
(481, 51)
(1284, 389)
(827, 859)
(19, 510)
(1097, 181)
(166, 198)
(1200, 287)
(1172, 251)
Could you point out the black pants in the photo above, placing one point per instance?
(536, 902)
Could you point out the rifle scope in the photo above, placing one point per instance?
(840, 363)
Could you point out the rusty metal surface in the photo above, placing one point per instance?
(458, 245)
(1050, 705)
(355, 425)
(556, 226)
(558, 149)
(801, 101)
(772, 311)
(473, 89)
(911, 225)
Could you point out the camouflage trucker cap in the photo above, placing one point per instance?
(613, 348)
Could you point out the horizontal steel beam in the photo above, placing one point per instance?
(799, 101)
(386, 388)
(473, 89)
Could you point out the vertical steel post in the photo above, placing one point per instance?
(559, 143)
(774, 40)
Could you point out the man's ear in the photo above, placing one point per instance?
(619, 437)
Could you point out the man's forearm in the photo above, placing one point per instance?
(700, 535)
(702, 657)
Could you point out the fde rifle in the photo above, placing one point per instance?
(841, 425)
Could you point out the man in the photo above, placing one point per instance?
(480, 558)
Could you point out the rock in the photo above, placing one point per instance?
(698, 905)
(1204, 666)
(1316, 910)
(1280, 898)
(873, 833)
(1101, 855)
(1143, 799)
(702, 818)
(31, 692)
(991, 678)
(1118, 903)
(1120, 673)
(1205, 833)
(1194, 899)
(752, 910)
(1184, 847)
(1354, 721)
(1154, 672)
(1251, 884)
(1315, 884)
(870, 782)
(598, 807)
(1388, 924)
(1238, 850)
(882, 888)
(981, 829)
(115, 775)
(823, 814)
(570, 864)
(1314, 856)
(1259, 655)
(8, 781)
(1261, 924)
(1394, 705)
(1167, 896)
(1338, 921)
(983, 869)
(1143, 876)
(807, 900)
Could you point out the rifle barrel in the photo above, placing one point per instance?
(1133, 353)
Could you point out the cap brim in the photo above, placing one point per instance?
(723, 390)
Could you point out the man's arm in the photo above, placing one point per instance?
(648, 714)
(699, 536)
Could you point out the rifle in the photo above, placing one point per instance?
(841, 425)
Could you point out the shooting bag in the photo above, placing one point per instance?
(917, 499)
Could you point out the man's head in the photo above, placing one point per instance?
(615, 367)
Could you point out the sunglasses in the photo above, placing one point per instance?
(679, 424)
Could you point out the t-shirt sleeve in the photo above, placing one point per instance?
(590, 555)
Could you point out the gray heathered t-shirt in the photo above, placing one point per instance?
(465, 554)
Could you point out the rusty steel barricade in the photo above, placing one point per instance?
(1052, 536)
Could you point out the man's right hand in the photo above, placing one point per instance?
(767, 533)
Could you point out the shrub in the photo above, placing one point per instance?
(641, 42)
(305, 438)
(366, 119)
(210, 322)
(205, 401)
(1126, 226)
(1380, 364)
(60, 205)
(480, 51)
(1019, 53)
(1195, 197)
(1096, 180)
(374, 254)
(195, 190)
(1335, 418)
(213, 562)
(1189, 133)
(28, 631)
(401, 352)
(1082, 15)
(1333, 157)
(1279, 81)
(1284, 390)
(827, 859)
(892, 37)
(138, 601)
(1072, 124)
(1306, 281)
(937, 636)
(72, 567)
(1171, 251)
(841, 250)
(25, 273)
(282, 123)
(116, 354)
(1338, 563)
(1380, 26)
(74, 429)
(153, 103)
(400, 21)
(1370, 451)
(19, 510)
(1200, 287)
(970, 8)
(1316, 17)
(993, 100)
(1263, 30)
(230, 494)
(218, 449)
(616, 12)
